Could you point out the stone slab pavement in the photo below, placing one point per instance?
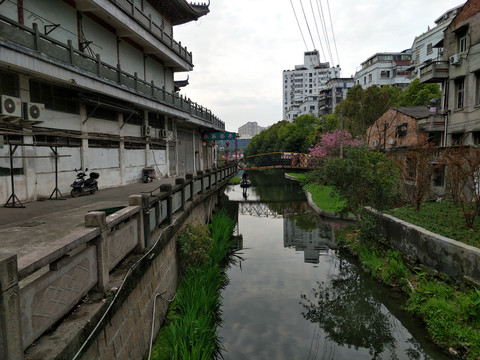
(25, 230)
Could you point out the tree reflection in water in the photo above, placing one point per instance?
(351, 316)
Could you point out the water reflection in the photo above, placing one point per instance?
(270, 310)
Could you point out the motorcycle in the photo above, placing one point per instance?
(82, 186)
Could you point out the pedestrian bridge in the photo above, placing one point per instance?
(281, 160)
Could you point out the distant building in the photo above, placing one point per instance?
(389, 68)
(428, 46)
(251, 129)
(303, 83)
(332, 94)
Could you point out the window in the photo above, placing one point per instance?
(477, 84)
(476, 137)
(402, 130)
(439, 175)
(457, 139)
(411, 168)
(385, 74)
(459, 93)
(9, 84)
(462, 42)
(364, 80)
(54, 97)
(429, 49)
(370, 78)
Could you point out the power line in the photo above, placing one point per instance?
(299, 27)
(324, 27)
(306, 22)
(333, 34)
(318, 33)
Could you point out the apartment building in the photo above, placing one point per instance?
(250, 129)
(388, 68)
(428, 46)
(332, 93)
(90, 84)
(303, 83)
(459, 74)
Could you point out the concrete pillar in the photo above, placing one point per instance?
(121, 149)
(99, 219)
(84, 148)
(10, 330)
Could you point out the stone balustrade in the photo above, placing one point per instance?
(41, 288)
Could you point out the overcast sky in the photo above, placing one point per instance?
(241, 47)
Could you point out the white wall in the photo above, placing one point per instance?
(131, 60)
(48, 12)
(104, 41)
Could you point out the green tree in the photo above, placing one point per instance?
(299, 135)
(361, 178)
(361, 108)
(417, 94)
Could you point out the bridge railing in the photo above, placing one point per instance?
(39, 289)
(284, 160)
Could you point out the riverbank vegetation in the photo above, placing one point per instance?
(443, 218)
(194, 315)
(450, 310)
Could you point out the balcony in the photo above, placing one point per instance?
(431, 124)
(20, 38)
(434, 72)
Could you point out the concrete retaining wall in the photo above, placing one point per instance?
(456, 259)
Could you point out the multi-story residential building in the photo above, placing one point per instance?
(332, 93)
(428, 47)
(390, 68)
(91, 84)
(251, 129)
(460, 76)
(304, 81)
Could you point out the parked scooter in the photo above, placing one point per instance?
(82, 186)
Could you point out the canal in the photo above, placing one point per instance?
(294, 296)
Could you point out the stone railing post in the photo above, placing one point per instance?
(10, 331)
(168, 188)
(99, 219)
(137, 200)
(189, 177)
(181, 181)
(202, 179)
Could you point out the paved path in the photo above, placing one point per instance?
(24, 230)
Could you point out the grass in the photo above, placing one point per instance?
(443, 218)
(194, 315)
(450, 311)
(320, 195)
(235, 180)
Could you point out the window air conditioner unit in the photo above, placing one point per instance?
(455, 59)
(10, 106)
(146, 131)
(33, 111)
(162, 133)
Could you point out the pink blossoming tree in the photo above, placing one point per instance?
(329, 144)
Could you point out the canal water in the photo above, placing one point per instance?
(293, 296)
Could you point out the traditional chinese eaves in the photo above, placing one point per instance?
(180, 11)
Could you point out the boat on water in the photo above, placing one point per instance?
(245, 183)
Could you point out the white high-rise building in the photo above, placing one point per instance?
(304, 82)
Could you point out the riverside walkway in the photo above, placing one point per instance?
(26, 230)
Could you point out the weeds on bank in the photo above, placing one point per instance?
(451, 311)
(194, 315)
